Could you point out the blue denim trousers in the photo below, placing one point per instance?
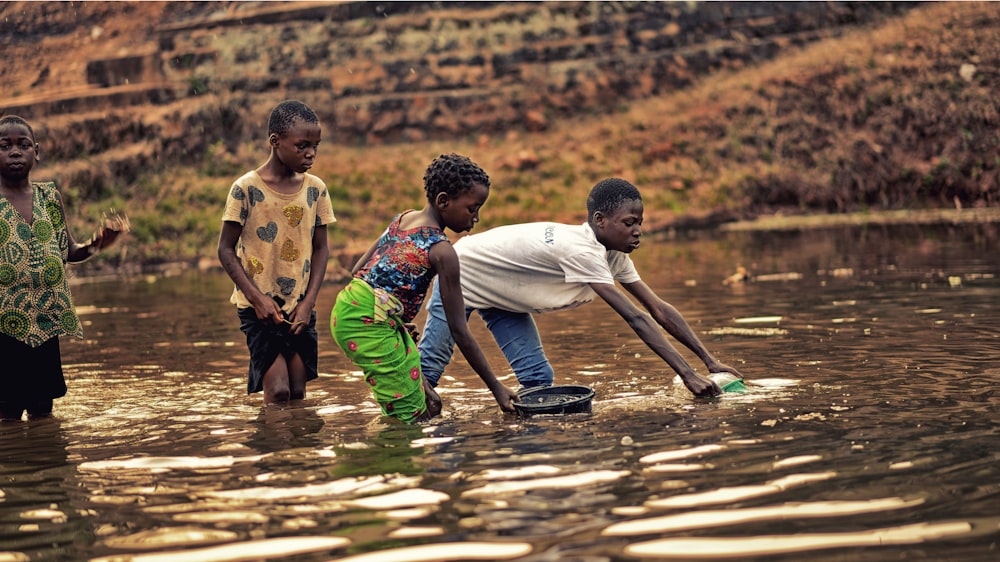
(515, 333)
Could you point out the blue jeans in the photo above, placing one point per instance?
(514, 332)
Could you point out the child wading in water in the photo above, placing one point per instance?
(36, 306)
(512, 272)
(370, 320)
(274, 247)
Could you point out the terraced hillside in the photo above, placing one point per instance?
(717, 110)
(121, 88)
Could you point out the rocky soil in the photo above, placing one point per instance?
(718, 111)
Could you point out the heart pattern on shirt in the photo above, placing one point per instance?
(294, 214)
(288, 251)
(268, 233)
(286, 284)
(256, 195)
(312, 195)
(254, 266)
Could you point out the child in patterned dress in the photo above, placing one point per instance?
(371, 318)
(273, 245)
(36, 305)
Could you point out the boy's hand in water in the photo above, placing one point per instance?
(701, 386)
(723, 368)
(505, 397)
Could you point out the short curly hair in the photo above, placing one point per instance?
(15, 120)
(610, 194)
(284, 114)
(453, 174)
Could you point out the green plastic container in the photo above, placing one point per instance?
(729, 382)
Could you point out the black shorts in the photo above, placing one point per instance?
(266, 340)
(30, 374)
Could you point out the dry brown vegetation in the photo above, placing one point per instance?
(898, 116)
(879, 119)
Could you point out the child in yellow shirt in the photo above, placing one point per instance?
(273, 245)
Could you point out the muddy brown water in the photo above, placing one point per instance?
(870, 429)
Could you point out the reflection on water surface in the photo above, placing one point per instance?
(869, 429)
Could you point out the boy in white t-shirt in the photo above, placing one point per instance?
(512, 272)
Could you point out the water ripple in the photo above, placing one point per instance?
(570, 481)
(722, 547)
(244, 551)
(446, 551)
(336, 488)
(716, 518)
(739, 493)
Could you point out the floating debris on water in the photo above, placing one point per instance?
(791, 276)
(756, 332)
(758, 319)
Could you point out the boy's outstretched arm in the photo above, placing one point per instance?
(673, 322)
(647, 329)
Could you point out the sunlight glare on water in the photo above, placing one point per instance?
(867, 431)
(717, 518)
(248, 550)
(718, 547)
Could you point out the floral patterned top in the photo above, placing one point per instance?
(35, 300)
(401, 264)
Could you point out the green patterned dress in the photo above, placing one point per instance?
(35, 301)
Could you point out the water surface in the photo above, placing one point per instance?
(869, 430)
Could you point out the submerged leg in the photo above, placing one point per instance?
(517, 336)
(10, 411)
(39, 409)
(297, 374)
(276, 389)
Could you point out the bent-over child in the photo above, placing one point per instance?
(36, 305)
(511, 272)
(273, 245)
(371, 318)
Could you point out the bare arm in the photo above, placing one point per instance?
(445, 261)
(647, 330)
(317, 271)
(673, 322)
(265, 306)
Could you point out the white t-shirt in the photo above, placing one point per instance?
(537, 267)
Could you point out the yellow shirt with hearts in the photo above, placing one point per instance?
(276, 244)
